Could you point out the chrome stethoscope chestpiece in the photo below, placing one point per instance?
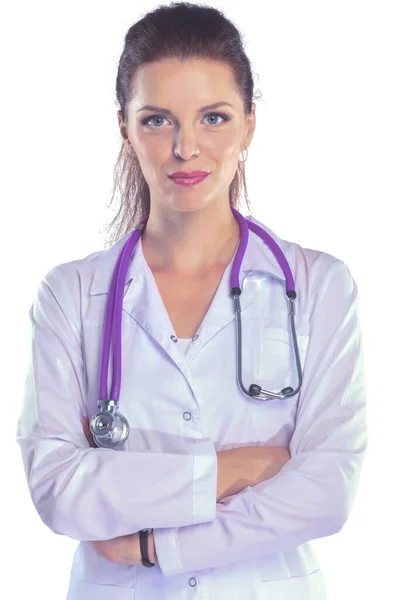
(109, 428)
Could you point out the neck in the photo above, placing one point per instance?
(190, 243)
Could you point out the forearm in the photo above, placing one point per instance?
(257, 464)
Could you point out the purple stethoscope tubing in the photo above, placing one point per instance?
(115, 304)
(113, 312)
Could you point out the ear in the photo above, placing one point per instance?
(250, 126)
(122, 126)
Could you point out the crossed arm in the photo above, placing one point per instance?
(126, 549)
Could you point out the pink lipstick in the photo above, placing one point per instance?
(188, 178)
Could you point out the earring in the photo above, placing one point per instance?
(243, 161)
(128, 148)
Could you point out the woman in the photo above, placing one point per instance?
(227, 490)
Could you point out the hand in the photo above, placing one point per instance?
(246, 466)
(87, 433)
(124, 549)
(261, 463)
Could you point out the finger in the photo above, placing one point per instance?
(88, 434)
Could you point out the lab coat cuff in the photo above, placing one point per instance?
(167, 550)
(205, 480)
(204, 487)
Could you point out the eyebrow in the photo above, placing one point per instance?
(169, 112)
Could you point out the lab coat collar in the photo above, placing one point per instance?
(258, 257)
(143, 302)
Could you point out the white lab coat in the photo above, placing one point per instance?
(183, 405)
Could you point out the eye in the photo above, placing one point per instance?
(224, 117)
(147, 119)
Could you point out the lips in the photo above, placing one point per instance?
(188, 174)
(189, 181)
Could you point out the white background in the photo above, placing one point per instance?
(321, 172)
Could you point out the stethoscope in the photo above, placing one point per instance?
(108, 426)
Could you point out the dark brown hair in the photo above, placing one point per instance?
(180, 30)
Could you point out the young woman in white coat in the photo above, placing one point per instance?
(228, 490)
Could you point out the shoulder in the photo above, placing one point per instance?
(313, 269)
(309, 257)
(78, 275)
(73, 276)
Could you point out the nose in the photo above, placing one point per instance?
(185, 154)
(186, 146)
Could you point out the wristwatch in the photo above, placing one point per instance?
(144, 545)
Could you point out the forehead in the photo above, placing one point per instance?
(195, 81)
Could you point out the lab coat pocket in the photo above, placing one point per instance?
(82, 590)
(271, 363)
(302, 587)
(91, 566)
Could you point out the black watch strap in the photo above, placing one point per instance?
(144, 545)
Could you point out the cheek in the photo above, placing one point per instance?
(151, 148)
(152, 154)
(147, 146)
(228, 155)
(224, 144)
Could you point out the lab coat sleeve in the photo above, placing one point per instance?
(95, 493)
(313, 494)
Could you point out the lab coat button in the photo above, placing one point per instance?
(173, 338)
(192, 581)
(195, 337)
(187, 416)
